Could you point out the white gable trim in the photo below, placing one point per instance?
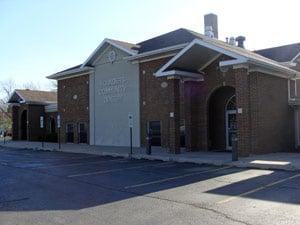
(108, 41)
(238, 60)
(232, 62)
(298, 55)
(210, 62)
(182, 73)
(202, 43)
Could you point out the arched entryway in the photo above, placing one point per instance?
(222, 118)
(24, 127)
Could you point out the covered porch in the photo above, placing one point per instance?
(210, 97)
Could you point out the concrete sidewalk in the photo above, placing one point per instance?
(281, 161)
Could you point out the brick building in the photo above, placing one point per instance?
(27, 107)
(190, 90)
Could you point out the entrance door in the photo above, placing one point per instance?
(231, 128)
(70, 133)
(82, 133)
(155, 129)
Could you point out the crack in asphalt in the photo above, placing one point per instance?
(137, 194)
(14, 200)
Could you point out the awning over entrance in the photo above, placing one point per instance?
(199, 54)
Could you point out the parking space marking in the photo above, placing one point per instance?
(176, 177)
(115, 170)
(82, 163)
(258, 189)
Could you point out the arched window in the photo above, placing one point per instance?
(231, 103)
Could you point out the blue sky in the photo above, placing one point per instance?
(41, 37)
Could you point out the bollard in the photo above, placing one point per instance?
(234, 149)
(149, 140)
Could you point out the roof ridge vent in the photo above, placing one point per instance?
(232, 41)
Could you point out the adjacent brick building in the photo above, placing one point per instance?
(27, 107)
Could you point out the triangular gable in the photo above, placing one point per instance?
(126, 47)
(238, 55)
(103, 57)
(16, 98)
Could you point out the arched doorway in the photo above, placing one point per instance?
(24, 127)
(221, 118)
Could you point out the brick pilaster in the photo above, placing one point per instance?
(191, 95)
(15, 122)
(174, 116)
(243, 112)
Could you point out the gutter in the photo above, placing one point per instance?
(282, 69)
(71, 72)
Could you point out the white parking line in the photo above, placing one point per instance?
(177, 177)
(116, 170)
(82, 163)
(258, 189)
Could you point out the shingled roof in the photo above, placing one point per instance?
(176, 37)
(33, 96)
(184, 36)
(284, 53)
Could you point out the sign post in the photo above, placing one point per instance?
(4, 134)
(58, 127)
(42, 127)
(130, 124)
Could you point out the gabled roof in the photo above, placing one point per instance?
(176, 37)
(284, 53)
(129, 48)
(71, 68)
(33, 96)
(180, 39)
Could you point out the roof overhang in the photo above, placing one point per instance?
(199, 54)
(72, 73)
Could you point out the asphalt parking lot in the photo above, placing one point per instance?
(38, 187)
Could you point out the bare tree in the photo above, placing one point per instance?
(7, 87)
(31, 86)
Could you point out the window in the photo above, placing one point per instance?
(231, 103)
(70, 133)
(82, 133)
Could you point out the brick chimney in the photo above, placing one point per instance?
(211, 20)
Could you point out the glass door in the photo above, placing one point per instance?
(231, 128)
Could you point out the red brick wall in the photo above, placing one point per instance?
(154, 100)
(266, 121)
(272, 117)
(73, 110)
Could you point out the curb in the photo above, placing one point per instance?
(238, 164)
